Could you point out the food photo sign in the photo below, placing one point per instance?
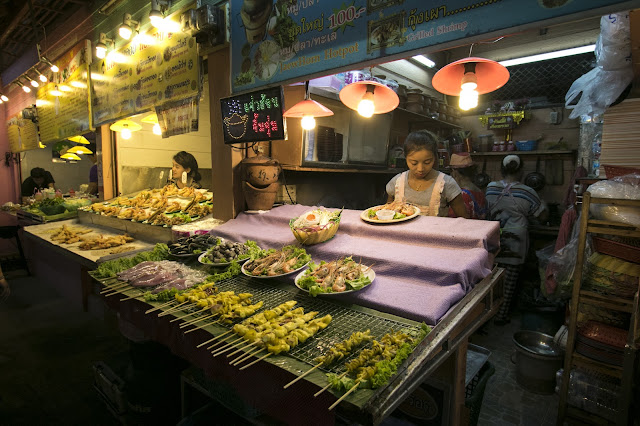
(254, 116)
(285, 40)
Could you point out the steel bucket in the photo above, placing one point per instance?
(537, 358)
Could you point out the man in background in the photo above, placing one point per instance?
(39, 179)
(93, 172)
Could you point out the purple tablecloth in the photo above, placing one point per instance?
(423, 266)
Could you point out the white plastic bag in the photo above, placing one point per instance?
(623, 187)
(593, 92)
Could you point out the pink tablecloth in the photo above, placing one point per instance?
(423, 266)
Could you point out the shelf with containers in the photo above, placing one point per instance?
(624, 366)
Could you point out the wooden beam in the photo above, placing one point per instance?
(14, 23)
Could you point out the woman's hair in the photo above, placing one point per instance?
(422, 139)
(188, 161)
(510, 165)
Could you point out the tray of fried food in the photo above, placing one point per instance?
(200, 209)
(102, 242)
(67, 235)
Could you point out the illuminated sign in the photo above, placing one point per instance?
(254, 116)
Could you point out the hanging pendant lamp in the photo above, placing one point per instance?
(470, 77)
(307, 110)
(369, 97)
(79, 150)
(79, 139)
(70, 156)
(125, 127)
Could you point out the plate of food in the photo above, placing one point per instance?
(315, 226)
(335, 278)
(192, 246)
(276, 263)
(390, 213)
(226, 252)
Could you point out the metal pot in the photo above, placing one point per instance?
(482, 179)
(535, 180)
(537, 358)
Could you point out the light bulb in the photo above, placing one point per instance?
(157, 130)
(55, 68)
(43, 78)
(34, 83)
(26, 89)
(155, 17)
(4, 98)
(366, 107)
(125, 134)
(55, 92)
(468, 99)
(125, 31)
(308, 122)
(101, 51)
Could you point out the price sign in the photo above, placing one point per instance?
(254, 116)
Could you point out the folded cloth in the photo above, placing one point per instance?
(423, 266)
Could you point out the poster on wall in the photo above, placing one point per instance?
(63, 102)
(22, 133)
(275, 41)
(179, 117)
(140, 77)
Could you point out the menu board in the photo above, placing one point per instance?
(139, 76)
(22, 133)
(63, 102)
(276, 40)
(254, 116)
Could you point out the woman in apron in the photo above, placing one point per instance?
(513, 204)
(463, 170)
(423, 185)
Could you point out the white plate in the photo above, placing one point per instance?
(364, 216)
(240, 262)
(274, 276)
(368, 272)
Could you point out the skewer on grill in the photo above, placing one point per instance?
(259, 359)
(245, 356)
(131, 297)
(214, 338)
(201, 326)
(344, 396)
(303, 375)
(175, 308)
(195, 320)
(159, 307)
(227, 347)
(247, 346)
(329, 385)
(187, 315)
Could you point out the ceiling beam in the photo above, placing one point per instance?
(19, 16)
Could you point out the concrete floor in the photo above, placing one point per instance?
(48, 348)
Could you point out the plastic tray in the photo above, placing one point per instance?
(477, 356)
(616, 249)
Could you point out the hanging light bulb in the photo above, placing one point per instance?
(125, 134)
(125, 127)
(101, 46)
(31, 81)
(128, 26)
(366, 106)
(157, 130)
(307, 110)
(52, 67)
(369, 98)
(4, 98)
(70, 156)
(469, 78)
(156, 15)
(26, 89)
(43, 78)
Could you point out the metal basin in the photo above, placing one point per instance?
(537, 358)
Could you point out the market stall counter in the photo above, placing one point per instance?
(433, 270)
(64, 251)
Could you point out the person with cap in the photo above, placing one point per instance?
(513, 204)
(432, 191)
(463, 170)
(39, 179)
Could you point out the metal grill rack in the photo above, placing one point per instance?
(345, 321)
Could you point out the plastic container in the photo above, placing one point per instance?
(529, 145)
(385, 214)
(613, 171)
(616, 249)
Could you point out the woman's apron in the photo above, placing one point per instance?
(433, 209)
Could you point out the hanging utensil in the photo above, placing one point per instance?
(482, 179)
(535, 180)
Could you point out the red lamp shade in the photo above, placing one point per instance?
(308, 107)
(490, 75)
(384, 98)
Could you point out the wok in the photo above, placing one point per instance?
(535, 180)
(482, 179)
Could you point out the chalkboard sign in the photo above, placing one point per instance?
(253, 117)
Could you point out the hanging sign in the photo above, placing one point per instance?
(140, 77)
(178, 117)
(63, 102)
(276, 41)
(252, 117)
(22, 133)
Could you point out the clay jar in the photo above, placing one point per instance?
(260, 171)
(261, 198)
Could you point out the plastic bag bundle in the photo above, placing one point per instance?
(625, 187)
(593, 92)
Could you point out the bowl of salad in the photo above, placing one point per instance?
(315, 226)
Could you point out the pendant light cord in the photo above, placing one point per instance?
(484, 42)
